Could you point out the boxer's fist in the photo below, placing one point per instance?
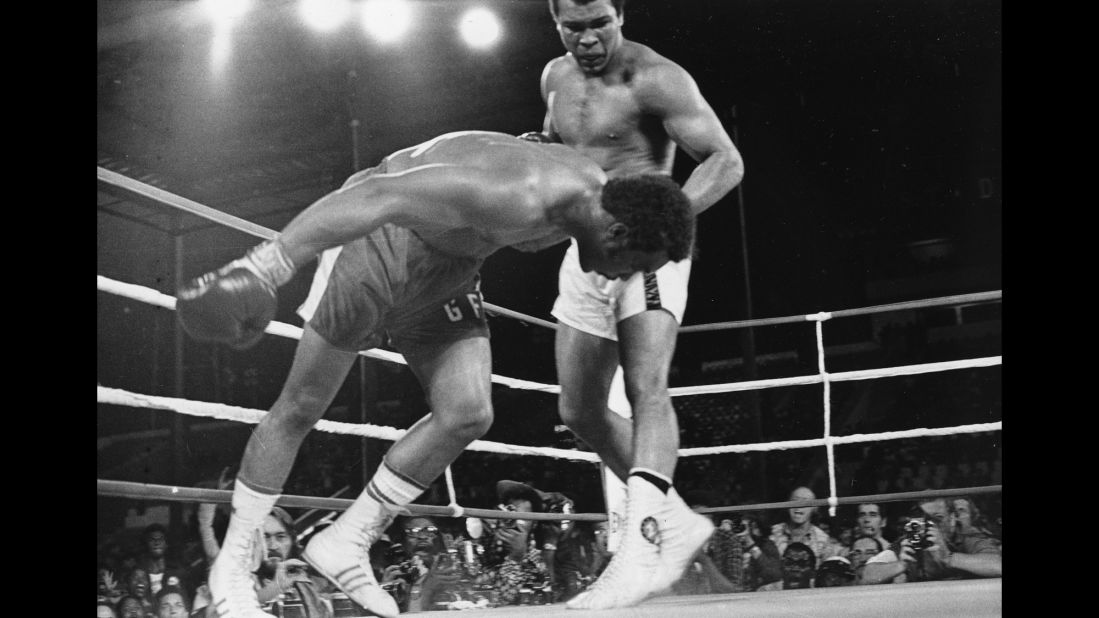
(232, 305)
(235, 304)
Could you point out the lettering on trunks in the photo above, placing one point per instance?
(652, 292)
(473, 302)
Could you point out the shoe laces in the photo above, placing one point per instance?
(240, 594)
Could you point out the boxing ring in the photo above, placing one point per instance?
(948, 598)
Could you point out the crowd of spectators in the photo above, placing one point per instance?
(448, 563)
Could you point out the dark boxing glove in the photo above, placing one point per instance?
(234, 304)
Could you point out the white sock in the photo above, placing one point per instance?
(644, 497)
(251, 505)
(388, 487)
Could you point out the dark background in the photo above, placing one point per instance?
(871, 132)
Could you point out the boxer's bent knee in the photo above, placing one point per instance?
(298, 411)
(466, 420)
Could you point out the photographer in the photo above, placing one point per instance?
(953, 555)
(418, 574)
(514, 562)
(925, 553)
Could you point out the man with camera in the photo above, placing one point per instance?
(515, 556)
(924, 551)
(418, 574)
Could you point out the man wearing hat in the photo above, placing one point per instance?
(514, 555)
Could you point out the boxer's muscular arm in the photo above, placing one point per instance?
(672, 95)
(547, 98)
(440, 195)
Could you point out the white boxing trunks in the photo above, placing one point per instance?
(591, 303)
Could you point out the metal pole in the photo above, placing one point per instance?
(367, 372)
(179, 427)
(747, 335)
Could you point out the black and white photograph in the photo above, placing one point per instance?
(641, 308)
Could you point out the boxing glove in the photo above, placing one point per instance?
(234, 304)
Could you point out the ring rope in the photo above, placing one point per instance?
(120, 397)
(153, 297)
(921, 432)
(171, 493)
(846, 376)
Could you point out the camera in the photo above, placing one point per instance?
(916, 531)
(407, 571)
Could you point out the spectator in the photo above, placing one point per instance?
(764, 562)
(971, 530)
(845, 535)
(154, 557)
(863, 549)
(105, 610)
(835, 571)
(799, 564)
(419, 574)
(871, 522)
(137, 585)
(975, 553)
(130, 606)
(171, 602)
(548, 534)
(890, 566)
(799, 528)
(512, 558)
(927, 552)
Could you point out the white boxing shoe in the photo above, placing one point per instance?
(343, 556)
(232, 588)
(637, 570)
(684, 536)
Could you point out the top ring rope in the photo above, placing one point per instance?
(153, 297)
(145, 192)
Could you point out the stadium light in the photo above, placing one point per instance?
(479, 27)
(386, 20)
(324, 15)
